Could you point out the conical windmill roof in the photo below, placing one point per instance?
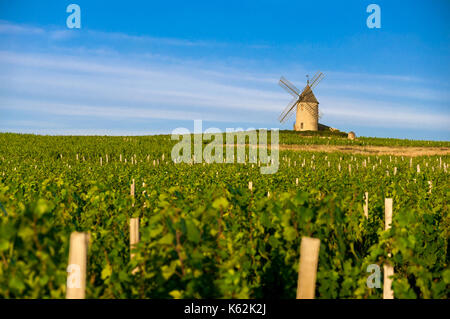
(309, 96)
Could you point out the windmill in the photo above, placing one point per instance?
(307, 118)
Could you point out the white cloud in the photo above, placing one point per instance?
(386, 114)
(17, 29)
(72, 109)
(132, 86)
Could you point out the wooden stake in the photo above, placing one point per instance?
(309, 257)
(76, 278)
(250, 186)
(132, 188)
(430, 184)
(296, 181)
(366, 204)
(134, 237)
(387, 213)
(388, 293)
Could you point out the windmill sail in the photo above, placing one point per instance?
(306, 96)
(316, 79)
(289, 107)
(289, 87)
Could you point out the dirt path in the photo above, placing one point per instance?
(370, 150)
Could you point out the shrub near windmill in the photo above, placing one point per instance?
(307, 118)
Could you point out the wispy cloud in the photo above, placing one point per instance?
(57, 33)
(144, 39)
(18, 29)
(123, 85)
(387, 114)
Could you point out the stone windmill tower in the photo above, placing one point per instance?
(307, 113)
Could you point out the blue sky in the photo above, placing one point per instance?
(149, 67)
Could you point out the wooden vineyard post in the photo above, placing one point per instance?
(134, 224)
(309, 257)
(387, 213)
(132, 192)
(250, 186)
(134, 237)
(430, 186)
(76, 269)
(366, 204)
(388, 293)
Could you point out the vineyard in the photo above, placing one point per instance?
(204, 233)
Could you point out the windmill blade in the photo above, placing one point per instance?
(317, 80)
(288, 116)
(311, 109)
(287, 109)
(314, 77)
(289, 87)
(284, 115)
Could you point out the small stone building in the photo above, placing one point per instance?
(351, 135)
